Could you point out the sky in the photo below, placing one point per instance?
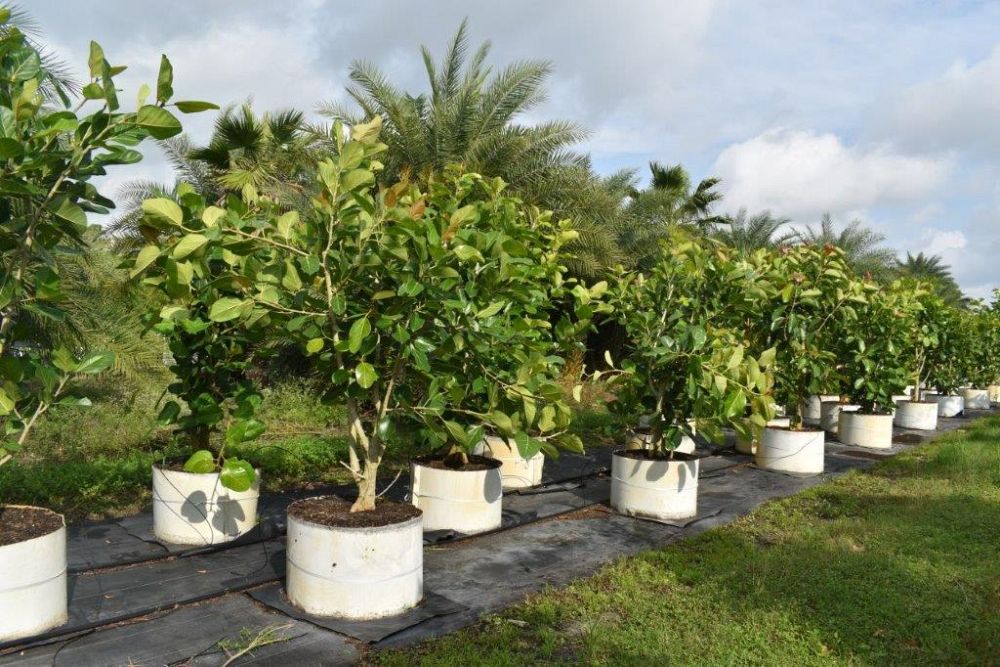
(886, 112)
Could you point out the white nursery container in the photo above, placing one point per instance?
(830, 414)
(33, 593)
(195, 508)
(516, 471)
(466, 501)
(357, 573)
(654, 488)
(786, 450)
(921, 416)
(950, 405)
(976, 399)
(872, 431)
(993, 391)
(810, 409)
(750, 446)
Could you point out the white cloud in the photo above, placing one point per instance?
(802, 174)
(958, 109)
(943, 243)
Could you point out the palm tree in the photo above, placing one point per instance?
(248, 154)
(747, 233)
(467, 116)
(931, 269)
(861, 245)
(671, 199)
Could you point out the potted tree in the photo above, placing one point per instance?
(398, 297)
(925, 326)
(209, 497)
(684, 359)
(50, 152)
(873, 350)
(806, 291)
(981, 358)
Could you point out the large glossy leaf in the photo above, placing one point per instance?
(159, 122)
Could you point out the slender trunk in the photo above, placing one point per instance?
(366, 488)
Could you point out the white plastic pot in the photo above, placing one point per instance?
(791, 451)
(33, 595)
(976, 399)
(466, 501)
(993, 391)
(516, 471)
(830, 415)
(194, 508)
(358, 573)
(750, 446)
(899, 398)
(950, 406)
(921, 416)
(657, 489)
(644, 440)
(872, 431)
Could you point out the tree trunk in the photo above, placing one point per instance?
(366, 488)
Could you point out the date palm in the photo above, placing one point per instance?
(933, 270)
(862, 246)
(746, 233)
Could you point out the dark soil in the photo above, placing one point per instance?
(474, 463)
(18, 524)
(650, 455)
(336, 512)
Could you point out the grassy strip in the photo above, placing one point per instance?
(898, 565)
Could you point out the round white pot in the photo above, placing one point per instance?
(750, 446)
(873, 431)
(899, 398)
(516, 471)
(644, 439)
(976, 399)
(921, 416)
(791, 451)
(810, 410)
(950, 406)
(194, 508)
(33, 595)
(358, 573)
(466, 501)
(830, 411)
(993, 391)
(654, 488)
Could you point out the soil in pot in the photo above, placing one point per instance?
(473, 463)
(19, 524)
(336, 512)
(650, 455)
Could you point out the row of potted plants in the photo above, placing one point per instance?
(439, 314)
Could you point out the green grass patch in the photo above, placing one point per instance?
(898, 565)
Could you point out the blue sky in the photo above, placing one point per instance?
(884, 111)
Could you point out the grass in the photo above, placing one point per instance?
(898, 565)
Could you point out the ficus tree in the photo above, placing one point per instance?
(211, 360)
(981, 358)
(946, 362)
(402, 298)
(51, 148)
(924, 329)
(805, 291)
(686, 357)
(875, 346)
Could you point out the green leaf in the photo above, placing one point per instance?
(227, 308)
(96, 363)
(734, 404)
(71, 213)
(168, 415)
(314, 345)
(526, 446)
(201, 462)
(189, 244)
(356, 178)
(491, 310)
(457, 433)
(237, 475)
(96, 61)
(466, 252)
(502, 422)
(164, 81)
(244, 430)
(159, 122)
(356, 336)
(365, 374)
(190, 106)
(163, 209)
(6, 403)
(10, 148)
